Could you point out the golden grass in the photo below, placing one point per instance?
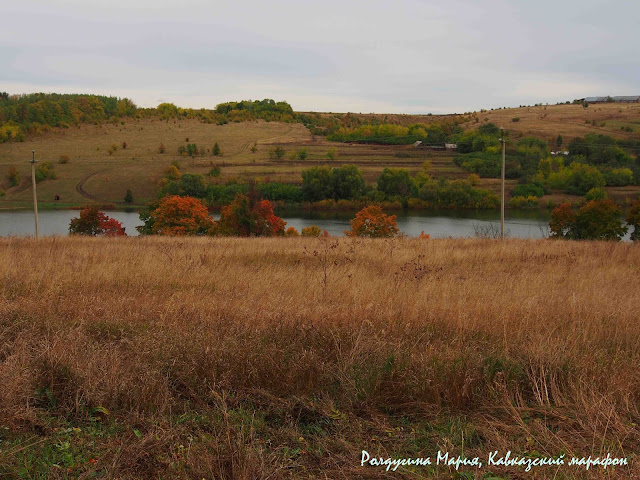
(274, 358)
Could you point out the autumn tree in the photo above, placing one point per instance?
(595, 220)
(93, 222)
(633, 220)
(245, 218)
(177, 215)
(373, 222)
(562, 219)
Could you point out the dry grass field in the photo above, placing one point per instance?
(284, 358)
(92, 174)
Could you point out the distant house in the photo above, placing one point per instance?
(617, 99)
(432, 146)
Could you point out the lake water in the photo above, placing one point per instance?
(437, 224)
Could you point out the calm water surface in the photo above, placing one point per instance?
(438, 224)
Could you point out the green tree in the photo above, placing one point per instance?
(348, 182)
(216, 151)
(193, 185)
(128, 197)
(317, 183)
(396, 182)
(559, 141)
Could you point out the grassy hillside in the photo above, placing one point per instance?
(240, 359)
(96, 173)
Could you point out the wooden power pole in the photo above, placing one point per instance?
(33, 182)
(503, 141)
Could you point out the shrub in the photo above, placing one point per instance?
(162, 148)
(527, 190)
(302, 153)
(530, 201)
(216, 151)
(291, 232)
(124, 145)
(596, 193)
(373, 222)
(332, 153)
(312, 231)
(93, 222)
(192, 149)
(277, 153)
(214, 172)
(64, 159)
(44, 171)
(13, 176)
(280, 192)
(515, 119)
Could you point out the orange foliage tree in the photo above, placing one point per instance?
(243, 219)
(177, 215)
(94, 222)
(373, 222)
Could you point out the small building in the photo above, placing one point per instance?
(609, 99)
(417, 144)
(451, 146)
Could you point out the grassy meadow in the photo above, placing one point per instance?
(93, 174)
(234, 358)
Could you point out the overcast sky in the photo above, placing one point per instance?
(401, 56)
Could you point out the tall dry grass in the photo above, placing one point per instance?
(272, 358)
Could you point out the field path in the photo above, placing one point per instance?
(80, 186)
(271, 139)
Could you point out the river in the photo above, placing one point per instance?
(438, 224)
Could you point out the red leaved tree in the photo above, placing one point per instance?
(373, 222)
(177, 215)
(93, 222)
(243, 219)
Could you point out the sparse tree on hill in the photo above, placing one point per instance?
(128, 197)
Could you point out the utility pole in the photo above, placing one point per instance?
(503, 141)
(33, 182)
